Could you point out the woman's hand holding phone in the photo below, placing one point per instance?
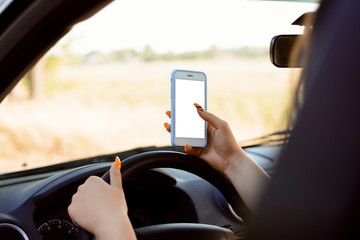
(224, 154)
(221, 147)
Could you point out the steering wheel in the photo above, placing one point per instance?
(177, 160)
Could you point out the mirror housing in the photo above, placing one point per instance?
(281, 49)
(282, 46)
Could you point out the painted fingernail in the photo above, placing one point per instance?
(198, 107)
(168, 113)
(166, 124)
(118, 162)
(186, 146)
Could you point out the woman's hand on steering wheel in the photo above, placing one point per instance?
(101, 208)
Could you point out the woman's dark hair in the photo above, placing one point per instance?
(300, 53)
(315, 192)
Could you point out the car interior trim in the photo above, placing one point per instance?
(16, 228)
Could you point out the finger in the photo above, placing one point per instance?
(189, 149)
(167, 126)
(168, 113)
(115, 174)
(209, 117)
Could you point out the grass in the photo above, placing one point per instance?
(96, 109)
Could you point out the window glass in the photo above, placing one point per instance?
(105, 86)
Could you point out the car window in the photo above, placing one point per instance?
(105, 86)
(4, 4)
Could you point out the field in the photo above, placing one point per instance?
(96, 109)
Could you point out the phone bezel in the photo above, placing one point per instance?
(196, 76)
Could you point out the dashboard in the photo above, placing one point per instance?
(37, 205)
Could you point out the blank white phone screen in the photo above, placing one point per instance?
(188, 123)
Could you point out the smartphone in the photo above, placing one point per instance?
(187, 127)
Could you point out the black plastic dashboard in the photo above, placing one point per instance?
(37, 205)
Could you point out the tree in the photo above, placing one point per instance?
(149, 54)
(36, 78)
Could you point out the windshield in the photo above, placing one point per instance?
(105, 86)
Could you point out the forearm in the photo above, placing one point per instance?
(248, 178)
(118, 228)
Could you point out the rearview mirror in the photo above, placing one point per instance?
(281, 50)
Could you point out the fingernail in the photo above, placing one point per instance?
(168, 113)
(198, 107)
(186, 146)
(166, 124)
(118, 162)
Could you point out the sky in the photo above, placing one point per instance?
(186, 25)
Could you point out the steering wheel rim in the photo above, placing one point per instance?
(178, 160)
(182, 161)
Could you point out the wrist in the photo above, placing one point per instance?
(117, 227)
(234, 162)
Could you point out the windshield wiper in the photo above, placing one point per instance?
(276, 138)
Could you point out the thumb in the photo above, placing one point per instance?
(115, 174)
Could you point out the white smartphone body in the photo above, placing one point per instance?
(187, 127)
